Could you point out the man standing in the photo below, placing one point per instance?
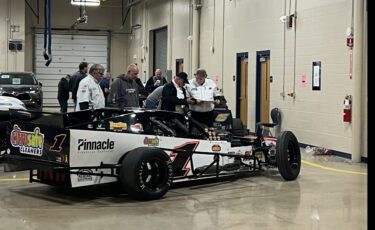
(155, 81)
(124, 90)
(63, 93)
(89, 93)
(104, 84)
(75, 79)
(171, 100)
(206, 94)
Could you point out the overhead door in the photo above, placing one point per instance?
(67, 52)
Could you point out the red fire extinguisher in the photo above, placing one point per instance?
(347, 108)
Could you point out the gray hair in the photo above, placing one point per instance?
(201, 72)
(95, 67)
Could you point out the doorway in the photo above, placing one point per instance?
(160, 48)
(262, 86)
(242, 87)
(179, 65)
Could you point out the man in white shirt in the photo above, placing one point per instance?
(204, 91)
(89, 93)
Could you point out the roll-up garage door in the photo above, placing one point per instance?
(67, 52)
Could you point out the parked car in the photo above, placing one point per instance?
(7, 103)
(24, 86)
(144, 150)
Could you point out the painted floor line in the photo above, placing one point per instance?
(13, 179)
(303, 161)
(333, 169)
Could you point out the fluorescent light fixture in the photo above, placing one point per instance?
(85, 2)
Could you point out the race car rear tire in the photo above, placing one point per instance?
(288, 156)
(146, 173)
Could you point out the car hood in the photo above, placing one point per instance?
(7, 103)
(19, 88)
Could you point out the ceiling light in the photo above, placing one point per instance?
(85, 2)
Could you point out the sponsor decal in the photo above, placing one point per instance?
(137, 127)
(28, 142)
(100, 127)
(84, 177)
(151, 141)
(86, 146)
(59, 159)
(59, 139)
(66, 159)
(216, 148)
(222, 117)
(117, 126)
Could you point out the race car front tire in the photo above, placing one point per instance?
(288, 156)
(146, 173)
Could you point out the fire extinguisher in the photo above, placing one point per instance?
(347, 108)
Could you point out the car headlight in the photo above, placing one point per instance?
(35, 90)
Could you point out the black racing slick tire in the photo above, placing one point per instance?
(146, 173)
(288, 156)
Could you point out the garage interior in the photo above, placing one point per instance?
(302, 57)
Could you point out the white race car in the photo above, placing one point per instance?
(144, 150)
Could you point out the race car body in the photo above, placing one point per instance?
(143, 149)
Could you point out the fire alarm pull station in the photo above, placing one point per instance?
(347, 117)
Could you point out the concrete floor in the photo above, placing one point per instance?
(328, 194)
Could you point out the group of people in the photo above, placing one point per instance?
(93, 91)
(198, 95)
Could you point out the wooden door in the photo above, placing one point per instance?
(265, 89)
(244, 89)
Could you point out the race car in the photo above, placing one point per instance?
(7, 103)
(144, 150)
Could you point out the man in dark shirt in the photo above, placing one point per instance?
(104, 85)
(63, 93)
(170, 97)
(75, 79)
(155, 81)
(125, 90)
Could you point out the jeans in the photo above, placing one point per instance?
(150, 104)
(63, 106)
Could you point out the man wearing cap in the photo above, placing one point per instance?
(174, 94)
(206, 94)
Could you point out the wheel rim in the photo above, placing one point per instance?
(153, 174)
(293, 157)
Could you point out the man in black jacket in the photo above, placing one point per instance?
(174, 94)
(155, 81)
(63, 93)
(75, 79)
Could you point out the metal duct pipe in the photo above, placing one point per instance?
(196, 33)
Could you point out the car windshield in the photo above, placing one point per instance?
(17, 79)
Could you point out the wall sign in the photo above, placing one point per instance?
(316, 75)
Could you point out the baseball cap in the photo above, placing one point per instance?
(201, 71)
(183, 76)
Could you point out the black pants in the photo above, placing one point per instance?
(63, 106)
(206, 118)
